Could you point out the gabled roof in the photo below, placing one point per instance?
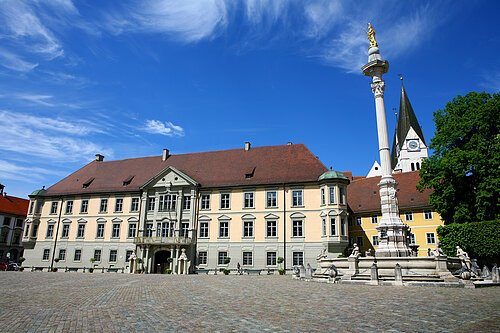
(406, 120)
(273, 165)
(363, 194)
(13, 205)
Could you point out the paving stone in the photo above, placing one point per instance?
(64, 302)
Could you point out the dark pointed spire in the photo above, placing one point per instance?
(406, 120)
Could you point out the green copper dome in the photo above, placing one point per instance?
(332, 174)
(38, 192)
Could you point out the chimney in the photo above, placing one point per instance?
(99, 157)
(289, 143)
(1, 188)
(247, 146)
(165, 154)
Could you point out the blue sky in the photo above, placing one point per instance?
(127, 79)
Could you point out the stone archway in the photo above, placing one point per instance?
(161, 261)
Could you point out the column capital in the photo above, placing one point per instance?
(378, 88)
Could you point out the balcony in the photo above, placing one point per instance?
(163, 240)
(29, 242)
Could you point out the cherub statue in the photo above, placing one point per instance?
(322, 254)
(371, 36)
(355, 251)
(438, 251)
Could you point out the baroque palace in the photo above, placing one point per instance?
(193, 211)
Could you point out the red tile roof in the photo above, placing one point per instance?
(363, 194)
(13, 205)
(272, 165)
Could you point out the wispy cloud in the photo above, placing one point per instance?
(53, 140)
(167, 128)
(491, 81)
(14, 62)
(18, 172)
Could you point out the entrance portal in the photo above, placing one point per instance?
(161, 261)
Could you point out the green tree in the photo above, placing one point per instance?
(464, 170)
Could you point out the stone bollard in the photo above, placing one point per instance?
(374, 274)
(398, 275)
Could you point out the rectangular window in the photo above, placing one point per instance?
(322, 196)
(431, 238)
(53, 207)
(46, 254)
(202, 258)
(167, 202)
(297, 199)
(223, 229)
(100, 230)
(78, 255)
(81, 230)
(249, 200)
(32, 204)
(297, 228)
(409, 216)
(186, 202)
(427, 214)
(132, 230)
(374, 219)
(6, 221)
(323, 227)
(34, 230)
(62, 254)
(104, 206)
(247, 259)
(359, 241)
(39, 206)
(112, 255)
(84, 208)
(358, 220)
(247, 228)
(343, 226)
(271, 199)
(97, 255)
(205, 201)
(271, 259)
(225, 201)
(119, 205)
(342, 194)
(27, 230)
(333, 227)
(128, 253)
(19, 223)
(151, 204)
(69, 207)
(332, 194)
(222, 257)
(184, 229)
(298, 258)
(116, 230)
(375, 240)
(203, 229)
(65, 231)
(413, 240)
(50, 231)
(134, 205)
(271, 228)
(149, 230)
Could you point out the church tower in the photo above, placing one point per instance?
(408, 148)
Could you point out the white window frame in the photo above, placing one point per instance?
(248, 261)
(332, 194)
(248, 228)
(225, 200)
(248, 200)
(46, 255)
(69, 207)
(375, 240)
(408, 216)
(202, 258)
(297, 198)
(271, 197)
(427, 215)
(134, 204)
(430, 236)
(204, 229)
(298, 225)
(271, 258)
(224, 225)
(374, 219)
(205, 201)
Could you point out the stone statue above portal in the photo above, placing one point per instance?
(371, 36)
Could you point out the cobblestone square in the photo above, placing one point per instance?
(78, 302)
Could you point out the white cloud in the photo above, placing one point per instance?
(167, 128)
(322, 16)
(21, 23)
(53, 140)
(14, 62)
(17, 172)
(188, 21)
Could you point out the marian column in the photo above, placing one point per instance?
(392, 231)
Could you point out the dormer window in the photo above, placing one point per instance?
(249, 173)
(128, 180)
(88, 182)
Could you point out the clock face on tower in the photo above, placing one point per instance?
(412, 145)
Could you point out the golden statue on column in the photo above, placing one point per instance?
(371, 36)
